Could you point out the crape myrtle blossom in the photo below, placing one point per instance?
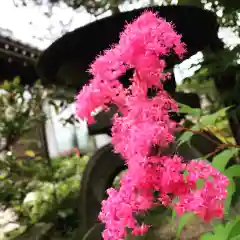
(152, 179)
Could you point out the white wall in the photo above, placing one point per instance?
(60, 138)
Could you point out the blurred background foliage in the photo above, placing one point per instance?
(34, 189)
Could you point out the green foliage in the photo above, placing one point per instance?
(233, 171)
(202, 119)
(195, 112)
(231, 189)
(221, 160)
(41, 191)
(211, 119)
(37, 192)
(215, 123)
(187, 135)
(229, 231)
(21, 108)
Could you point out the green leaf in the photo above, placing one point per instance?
(230, 191)
(220, 230)
(221, 160)
(228, 232)
(196, 112)
(208, 236)
(236, 238)
(233, 228)
(233, 171)
(16, 81)
(174, 214)
(5, 85)
(212, 118)
(186, 136)
(183, 221)
(14, 234)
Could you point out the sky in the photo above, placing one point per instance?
(31, 26)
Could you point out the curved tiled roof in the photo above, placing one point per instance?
(15, 50)
(17, 59)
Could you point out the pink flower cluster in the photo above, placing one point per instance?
(144, 124)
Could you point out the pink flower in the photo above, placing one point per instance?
(141, 46)
(144, 123)
(206, 202)
(118, 212)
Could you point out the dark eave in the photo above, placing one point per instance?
(12, 49)
(17, 59)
